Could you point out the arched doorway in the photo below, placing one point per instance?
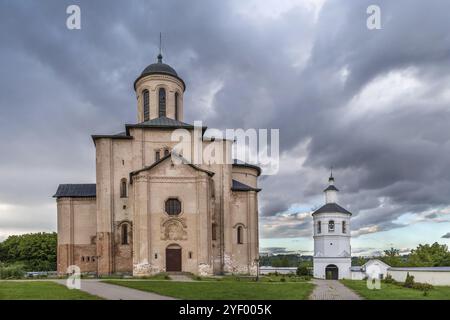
(331, 272)
(173, 258)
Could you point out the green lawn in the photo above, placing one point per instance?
(39, 290)
(223, 290)
(396, 292)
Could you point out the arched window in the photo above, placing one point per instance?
(344, 227)
(319, 227)
(176, 105)
(173, 207)
(240, 235)
(166, 152)
(123, 188)
(124, 233)
(162, 102)
(331, 226)
(146, 105)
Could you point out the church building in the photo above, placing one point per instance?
(332, 250)
(148, 213)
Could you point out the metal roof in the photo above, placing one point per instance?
(159, 68)
(433, 269)
(331, 187)
(162, 122)
(239, 186)
(331, 208)
(76, 190)
(239, 163)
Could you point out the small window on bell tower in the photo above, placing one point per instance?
(162, 102)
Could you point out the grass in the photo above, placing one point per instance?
(40, 290)
(395, 292)
(223, 290)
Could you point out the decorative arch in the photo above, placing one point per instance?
(239, 232)
(173, 229)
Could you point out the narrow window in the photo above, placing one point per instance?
(240, 235)
(93, 259)
(125, 233)
(146, 105)
(157, 155)
(190, 255)
(82, 259)
(162, 102)
(344, 227)
(166, 152)
(87, 259)
(331, 226)
(176, 105)
(123, 188)
(214, 231)
(319, 227)
(173, 207)
(156, 256)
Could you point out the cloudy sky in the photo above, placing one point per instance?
(374, 104)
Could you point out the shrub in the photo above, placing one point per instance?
(389, 279)
(283, 279)
(409, 281)
(422, 286)
(303, 270)
(13, 271)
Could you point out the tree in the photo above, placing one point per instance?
(36, 251)
(392, 257)
(435, 255)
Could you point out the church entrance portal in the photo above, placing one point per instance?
(331, 272)
(173, 258)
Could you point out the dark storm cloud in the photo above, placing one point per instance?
(291, 71)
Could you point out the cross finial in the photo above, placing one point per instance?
(160, 48)
(331, 174)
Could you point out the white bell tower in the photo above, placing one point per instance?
(332, 251)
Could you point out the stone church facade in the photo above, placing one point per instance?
(147, 213)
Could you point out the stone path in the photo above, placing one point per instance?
(115, 292)
(332, 290)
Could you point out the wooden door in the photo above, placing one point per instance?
(173, 260)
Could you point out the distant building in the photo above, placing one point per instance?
(332, 251)
(374, 268)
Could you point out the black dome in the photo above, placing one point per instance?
(159, 68)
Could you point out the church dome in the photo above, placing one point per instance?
(159, 68)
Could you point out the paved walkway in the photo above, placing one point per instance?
(115, 292)
(332, 290)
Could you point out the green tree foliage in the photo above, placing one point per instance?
(359, 261)
(303, 269)
(285, 260)
(392, 257)
(35, 251)
(435, 255)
